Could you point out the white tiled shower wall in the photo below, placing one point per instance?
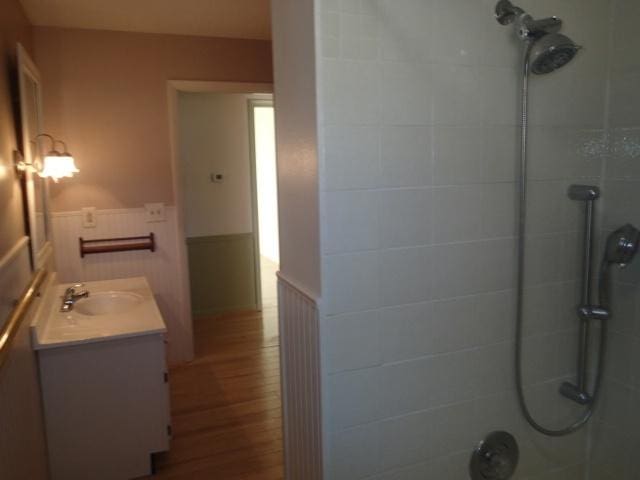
(418, 112)
(616, 433)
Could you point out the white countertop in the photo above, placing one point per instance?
(53, 329)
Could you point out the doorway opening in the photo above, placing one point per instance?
(263, 152)
(226, 402)
(227, 164)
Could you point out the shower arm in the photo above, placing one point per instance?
(529, 29)
(506, 12)
(526, 27)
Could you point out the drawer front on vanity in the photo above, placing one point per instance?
(106, 407)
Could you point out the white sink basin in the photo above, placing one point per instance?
(107, 303)
(117, 308)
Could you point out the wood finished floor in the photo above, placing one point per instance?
(225, 405)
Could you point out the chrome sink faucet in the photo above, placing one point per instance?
(72, 295)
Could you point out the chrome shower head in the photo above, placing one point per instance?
(550, 52)
(622, 245)
(548, 49)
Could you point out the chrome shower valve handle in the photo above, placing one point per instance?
(495, 458)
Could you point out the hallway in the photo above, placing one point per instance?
(226, 403)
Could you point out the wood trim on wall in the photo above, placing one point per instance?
(15, 271)
(23, 453)
(9, 256)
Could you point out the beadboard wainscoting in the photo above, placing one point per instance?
(300, 373)
(22, 442)
(160, 267)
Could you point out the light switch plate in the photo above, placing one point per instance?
(154, 212)
(89, 217)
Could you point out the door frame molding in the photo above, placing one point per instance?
(173, 88)
(252, 103)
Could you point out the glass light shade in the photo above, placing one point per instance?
(58, 166)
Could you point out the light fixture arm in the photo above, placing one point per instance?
(51, 139)
(64, 146)
(20, 164)
(34, 165)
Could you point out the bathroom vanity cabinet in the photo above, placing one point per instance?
(106, 407)
(106, 399)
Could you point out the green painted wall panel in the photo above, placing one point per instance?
(222, 273)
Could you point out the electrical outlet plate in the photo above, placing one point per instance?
(89, 217)
(154, 212)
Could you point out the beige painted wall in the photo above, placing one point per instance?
(14, 28)
(214, 138)
(296, 141)
(294, 62)
(106, 94)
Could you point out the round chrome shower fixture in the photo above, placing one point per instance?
(550, 52)
(619, 250)
(548, 49)
(495, 458)
(622, 245)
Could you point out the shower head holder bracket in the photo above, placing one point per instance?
(593, 312)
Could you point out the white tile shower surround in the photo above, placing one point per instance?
(160, 267)
(418, 121)
(616, 432)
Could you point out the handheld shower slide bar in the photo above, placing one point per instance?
(586, 311)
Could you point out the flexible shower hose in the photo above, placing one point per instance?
(603, 282)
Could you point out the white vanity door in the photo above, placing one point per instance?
(106, 407)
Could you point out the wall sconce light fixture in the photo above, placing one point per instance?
(56, 164)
